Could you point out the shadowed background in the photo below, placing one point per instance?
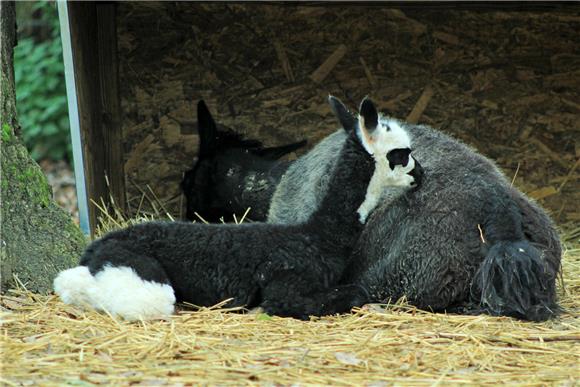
(503, 80)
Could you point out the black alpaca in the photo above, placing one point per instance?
(251, 171)
(288, 270)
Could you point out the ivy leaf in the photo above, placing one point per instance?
(41, 90)
(263, 317)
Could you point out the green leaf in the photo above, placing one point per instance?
(41, 90)
(263, 317)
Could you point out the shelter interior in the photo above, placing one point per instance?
(503, 78)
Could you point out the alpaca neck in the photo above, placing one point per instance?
(337, 220)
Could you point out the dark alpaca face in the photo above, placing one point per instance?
(212, 186)
(218, 186)
(197, 186)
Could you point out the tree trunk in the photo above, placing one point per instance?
(37, 238)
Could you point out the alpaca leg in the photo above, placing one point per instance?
(287, 301)
(118, 290)
(339, 299)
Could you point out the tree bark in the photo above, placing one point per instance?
(37, 238)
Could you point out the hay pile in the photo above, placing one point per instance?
(45, 342)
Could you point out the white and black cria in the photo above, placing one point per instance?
(288, 270)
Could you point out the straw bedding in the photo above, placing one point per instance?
(45, 342)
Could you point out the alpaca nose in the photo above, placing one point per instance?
(417, 174)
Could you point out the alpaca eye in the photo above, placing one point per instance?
(398, 157)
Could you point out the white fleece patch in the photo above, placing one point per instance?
(378, 144)
(74, 285)
(123, 293)
(384, 178)
(381, 141)
(117, 290)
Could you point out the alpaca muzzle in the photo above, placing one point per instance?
(417, 174)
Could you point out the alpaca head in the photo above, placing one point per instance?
(384, 139)
(389, 145)
(224, 157)
(197, 182)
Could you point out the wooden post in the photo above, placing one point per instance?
(111, 102)
(93, 44)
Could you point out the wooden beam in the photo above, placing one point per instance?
(93, 45)
(111, 102)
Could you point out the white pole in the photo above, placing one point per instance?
(73, 116)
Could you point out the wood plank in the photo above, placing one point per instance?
(325, 68)
(421, 105)
(83, 28)
(98, 101)
(111, 103)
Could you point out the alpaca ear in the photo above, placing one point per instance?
(368, 124)
(207, 130)
(345, 117)
(368, 116)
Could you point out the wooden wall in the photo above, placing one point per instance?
(93, 38)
